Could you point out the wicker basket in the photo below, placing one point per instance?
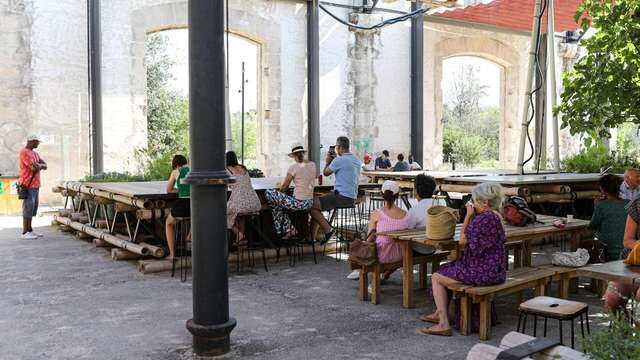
(441, 222)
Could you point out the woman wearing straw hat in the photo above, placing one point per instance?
(303, 175)
(483, 260)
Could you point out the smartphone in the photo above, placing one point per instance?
(332, 150)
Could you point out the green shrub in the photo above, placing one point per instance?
(622, 341)
(113, 177)
(597, 157)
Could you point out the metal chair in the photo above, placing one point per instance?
(182, 247)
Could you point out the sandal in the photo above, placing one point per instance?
(437, 332)
(429, 318)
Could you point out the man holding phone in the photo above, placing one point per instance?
(346, 167)
(30, 164)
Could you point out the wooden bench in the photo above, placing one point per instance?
(513, 339)
(563, 276)
(377, 268)
(517, 280)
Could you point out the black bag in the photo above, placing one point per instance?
(516, 212)
(598, 252)
(23, 191)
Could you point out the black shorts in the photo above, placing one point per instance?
(181, 208)
(334, 200)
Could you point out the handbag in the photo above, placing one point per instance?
(634, 256)
(23, 191)
(598, 252)
(571, 259)
(363, 251)
(441, 222)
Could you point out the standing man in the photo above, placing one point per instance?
(346, 168)
(30, 166)
(629, 189)
(383, 162)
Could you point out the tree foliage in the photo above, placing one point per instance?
(603, 89)
(167, 113)
(471, 132)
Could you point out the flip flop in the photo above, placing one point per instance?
(432, 331)
(429, 318)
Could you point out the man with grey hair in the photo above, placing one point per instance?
(629, 189)
(30, 164)
(346, 168)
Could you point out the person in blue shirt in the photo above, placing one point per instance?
(383, 162)
(401, 165)
(346, 168)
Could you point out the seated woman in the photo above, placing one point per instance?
(609, 216)
(388, 218)
(618, 293)
(180, 208)
(483, 259)
(303, 175)
(243, 198)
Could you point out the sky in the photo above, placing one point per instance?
(239, 50)
(488, 74)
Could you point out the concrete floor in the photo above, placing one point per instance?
(62, 298)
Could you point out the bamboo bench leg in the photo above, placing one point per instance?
(363, 282)
(375, 286)
(485, 318)
(540, 288)
(465, 315)
(423, 276)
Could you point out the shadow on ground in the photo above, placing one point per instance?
(62, 298)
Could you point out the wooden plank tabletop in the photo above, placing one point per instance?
(611, 271)
(518, 180)
(410, 175)
(512, 232)
(135, 189)
(157, 189)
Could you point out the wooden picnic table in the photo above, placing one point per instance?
(611, 271)
(526, 234)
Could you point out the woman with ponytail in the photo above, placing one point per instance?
(388, 218)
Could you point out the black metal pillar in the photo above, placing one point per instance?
(211, 324)
(95, 93)
(417, 80)
(313, 82)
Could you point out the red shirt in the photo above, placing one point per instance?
(29, 157)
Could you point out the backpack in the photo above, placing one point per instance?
(517, 213)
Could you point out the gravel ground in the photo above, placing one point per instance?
(62, 298)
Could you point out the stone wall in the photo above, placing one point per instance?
(43, 86)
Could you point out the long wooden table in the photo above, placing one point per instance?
(611, 271)
(416, 237)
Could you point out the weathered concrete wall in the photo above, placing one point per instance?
(43, 86)
(15, 80)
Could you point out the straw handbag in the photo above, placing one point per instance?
(634, 256)
(441, 222)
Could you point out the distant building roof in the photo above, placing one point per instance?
(514, 14)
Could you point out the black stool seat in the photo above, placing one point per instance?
(554, 308)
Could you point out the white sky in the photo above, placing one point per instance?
(487, 72)
(239, 50)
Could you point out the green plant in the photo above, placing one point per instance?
(622, 341)
(603, 90)
(596, 157)
(113, 177)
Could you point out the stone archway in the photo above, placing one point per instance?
(276, 118)
(504, 56)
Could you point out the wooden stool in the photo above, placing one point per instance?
(554, 308)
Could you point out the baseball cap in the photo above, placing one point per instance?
(34, 137)
(391, 186)
(367, 157)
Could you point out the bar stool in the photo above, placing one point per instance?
(375, 201)
(553, 308)
(256, 241)
(295, 244)
(344, 220)
(182, 247)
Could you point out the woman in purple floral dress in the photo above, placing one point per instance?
(483, 260)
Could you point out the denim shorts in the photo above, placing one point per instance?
(30, 204)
